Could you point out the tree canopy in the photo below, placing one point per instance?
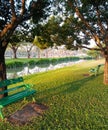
(14, 13)
(91, 18)
(81, 21)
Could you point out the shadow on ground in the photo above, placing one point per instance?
(66, 88)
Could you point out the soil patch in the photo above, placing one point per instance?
(86, 75)
(27, 113)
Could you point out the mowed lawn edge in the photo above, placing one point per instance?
(76, 99)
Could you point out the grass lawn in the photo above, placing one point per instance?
(76, 101)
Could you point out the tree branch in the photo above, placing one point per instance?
(81, 46)
(99, 21)
(80, 15)
(13, 9)
(23, 7)
(9, 26)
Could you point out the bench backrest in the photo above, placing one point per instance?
(10, 82)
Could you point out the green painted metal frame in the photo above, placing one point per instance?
(25, 91)
(96, 69)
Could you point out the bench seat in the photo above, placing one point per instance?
(17, 96)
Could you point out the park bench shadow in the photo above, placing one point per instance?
(66, 88)
(76, 85)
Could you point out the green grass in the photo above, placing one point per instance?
(75, 102)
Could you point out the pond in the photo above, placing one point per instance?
(27, 70)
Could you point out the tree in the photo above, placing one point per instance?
(12, 14)
(40, 43)
(15, 41)
(14, 46)
(28, 47)
(84, 20)
(56, 32)
(45, 31)
(90, 22)
(46, 34)
(26, 36)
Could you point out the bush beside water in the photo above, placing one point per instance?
(11, 63)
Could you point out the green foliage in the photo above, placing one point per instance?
(38, 9)
(43, 61)
(78, 22)
(94, 54)
(46, 32)
(12, 64)
(40, 42)
(75, 102)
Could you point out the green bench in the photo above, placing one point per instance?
(14, 93)
(96, 69)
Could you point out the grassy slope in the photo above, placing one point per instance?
(75, 102)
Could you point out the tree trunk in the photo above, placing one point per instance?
(28, 53)
(106, 71)
(2, 69)
(46, 53)
(14, 53)
(39, 53)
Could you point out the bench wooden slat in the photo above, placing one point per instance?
(24, 86)
(10, 82)
(12, 89)
(10, 99)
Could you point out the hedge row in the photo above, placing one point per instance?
(12, 63)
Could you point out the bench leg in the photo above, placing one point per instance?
(25, 99)
(1, 113)
(33, 99)
(95, 73)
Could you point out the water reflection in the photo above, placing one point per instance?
(15, 72)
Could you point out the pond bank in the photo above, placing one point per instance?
(27, 70)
